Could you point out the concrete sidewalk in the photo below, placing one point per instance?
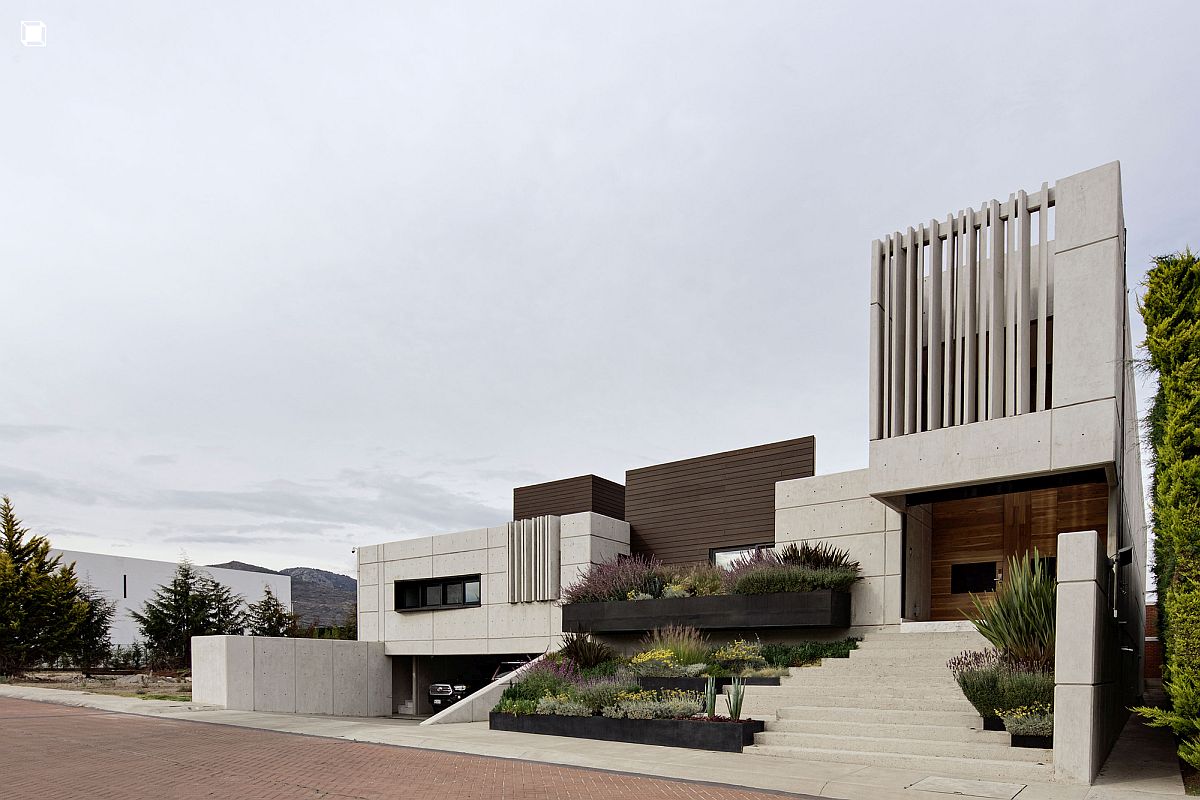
(1142, 767)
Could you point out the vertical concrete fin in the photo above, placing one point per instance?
(934, 387)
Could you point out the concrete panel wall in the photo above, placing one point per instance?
(1088, 708)
(304, 676)
(497, 625)
(837, 509)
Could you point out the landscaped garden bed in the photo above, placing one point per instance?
(1012, 684)
(678, 691)
(722, 735)
(801, 586)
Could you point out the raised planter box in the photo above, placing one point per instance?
(1036, 742)
(727, 737)
(821, 608)
(993, 724)
(698, 684)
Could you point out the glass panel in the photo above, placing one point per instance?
(723, 558)
(411, 596)
(978, 577)
(471, 594)
(433, 595)
(454, 594)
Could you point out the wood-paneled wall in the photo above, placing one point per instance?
(570, 496)
(681, 510)
(996, 527)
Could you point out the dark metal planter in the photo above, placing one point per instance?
(820, 608)
(1037, 742)
(993, 724)
(728, 737)
(698, 684)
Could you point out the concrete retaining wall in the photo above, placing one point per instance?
(295, 676)
(475, 707)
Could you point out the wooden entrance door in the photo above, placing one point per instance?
(974, 537)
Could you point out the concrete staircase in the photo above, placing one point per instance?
(892, 704)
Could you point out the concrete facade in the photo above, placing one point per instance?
(293, 676)
(497, 625)
(130, 582)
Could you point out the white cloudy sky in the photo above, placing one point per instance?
(278, 278)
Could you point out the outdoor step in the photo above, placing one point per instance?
(919, 747)
(921, 654)
(761, 703)
(926, 677)
(846, 666)
(890, 730)
(795, 692)
(982, 769)
(879, 715)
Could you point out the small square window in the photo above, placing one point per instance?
(411, 596)
(471, 592)
(433, 595)
(454, 594)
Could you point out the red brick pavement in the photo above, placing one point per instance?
(51, 751)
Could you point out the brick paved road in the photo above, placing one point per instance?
(51, 751)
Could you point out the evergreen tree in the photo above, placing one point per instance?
(92, 644)
(192, 604)
(40, 605)
(270, 617)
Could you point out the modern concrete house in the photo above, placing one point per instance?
(130, 582)
(1002, 418)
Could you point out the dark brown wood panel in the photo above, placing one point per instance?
(681, 510)
(570, 496)
(995, 527)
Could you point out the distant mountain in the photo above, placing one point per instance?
(319, 597)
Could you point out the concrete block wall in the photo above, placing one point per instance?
(293, 676)
(496, 625)
(838, 509)
(1088, 708)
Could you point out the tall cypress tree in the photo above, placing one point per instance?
(40, 604)
(192, 604)
(270, 617)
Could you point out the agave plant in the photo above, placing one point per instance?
(710, 696)
(733, 700)
(1018, 619)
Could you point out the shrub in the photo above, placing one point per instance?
(547, 677)
(701, 579)
(739, 655)
(597, 694)
(1019, 618)
(1031, 720)
(687, 645)
(1020, 688)
(821, 555)
(654, 662)
(585, 651)
(667, 704)
(563, 706)
(771, 578)
(801, 653)
(990, 682)
(509, 705)
(616, 580)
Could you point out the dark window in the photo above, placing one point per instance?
(977, 577)
(461, 591)
(125, 587)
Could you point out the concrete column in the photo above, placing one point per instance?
(1089, 286)
(1084, 714)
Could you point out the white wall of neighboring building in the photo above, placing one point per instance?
(133, 581)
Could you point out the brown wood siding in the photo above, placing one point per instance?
(681, 510)
(995, 527)
(570, 496)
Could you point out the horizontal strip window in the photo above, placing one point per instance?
(460, 591)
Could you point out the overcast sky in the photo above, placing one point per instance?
(281, 278)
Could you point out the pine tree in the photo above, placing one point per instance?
(92, 643)
(192, 604)
(270, 617)
(40, 605)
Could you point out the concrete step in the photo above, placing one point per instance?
(894, 673)
(980, 769)
(890, 730)
(763, 703)
(881, 668)
(990, 751)
(874, 716)
(794, 692)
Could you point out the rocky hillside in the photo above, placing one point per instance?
(318, 596)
